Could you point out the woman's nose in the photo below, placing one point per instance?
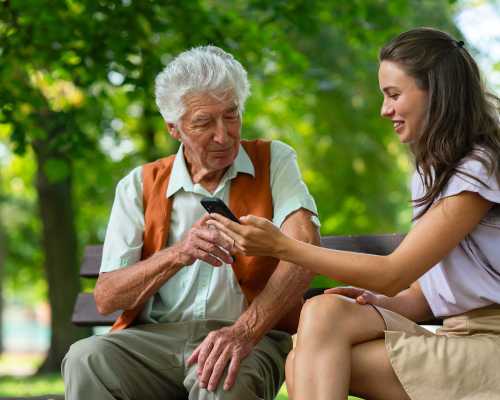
(387, 109)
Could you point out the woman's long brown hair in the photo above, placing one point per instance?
(461, 115)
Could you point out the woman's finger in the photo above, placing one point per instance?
(345, 291)
(227, 223)
(363, 300)
(252, 220)
(258, 222)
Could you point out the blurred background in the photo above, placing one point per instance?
(77, 113)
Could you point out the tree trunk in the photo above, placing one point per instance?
(60, 250)
(150, 149)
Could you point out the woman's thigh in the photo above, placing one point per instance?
(372, 376)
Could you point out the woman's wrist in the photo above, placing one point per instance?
(382, 301)
(283, 247)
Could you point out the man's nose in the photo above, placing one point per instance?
(221, 133)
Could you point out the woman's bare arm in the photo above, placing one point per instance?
(431, 239)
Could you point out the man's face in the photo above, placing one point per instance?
(209, 130)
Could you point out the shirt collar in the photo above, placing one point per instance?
(180, 178)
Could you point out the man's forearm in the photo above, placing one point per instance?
(285, 287)
(283, 291)
(128, 287)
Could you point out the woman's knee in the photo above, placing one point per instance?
(324, 313)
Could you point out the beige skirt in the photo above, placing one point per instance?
(460, 361)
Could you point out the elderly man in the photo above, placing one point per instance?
(200, 323)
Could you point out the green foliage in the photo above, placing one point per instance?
(79, 75)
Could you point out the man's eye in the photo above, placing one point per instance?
(201, 124)
(232, 115)
(394, 96)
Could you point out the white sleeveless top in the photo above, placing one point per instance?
(469, 277)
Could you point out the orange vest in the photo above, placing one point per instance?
(248, 195)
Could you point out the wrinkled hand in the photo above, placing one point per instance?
(255, 236)
(361, 296)
(213, 355)
(205, 243)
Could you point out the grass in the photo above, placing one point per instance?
(53, 384)
(19, 385)
(282, 395)
(16, 378)
(13, 386)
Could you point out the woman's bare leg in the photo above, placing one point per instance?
(372, 376)
(289, 373)
(330, 325)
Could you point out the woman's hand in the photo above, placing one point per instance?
(255, 236)
(361, 296)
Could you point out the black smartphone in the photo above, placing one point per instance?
(215, 205)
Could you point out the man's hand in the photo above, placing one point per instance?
(204, 243)
(219, 348)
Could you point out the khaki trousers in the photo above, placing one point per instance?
(149, 362)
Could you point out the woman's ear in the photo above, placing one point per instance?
(172, 129)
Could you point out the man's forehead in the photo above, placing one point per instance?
(198, 102)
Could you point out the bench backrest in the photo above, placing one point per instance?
(85, 311)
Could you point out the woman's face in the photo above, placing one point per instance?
(405, 104)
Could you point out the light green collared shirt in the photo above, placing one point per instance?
(198, 291)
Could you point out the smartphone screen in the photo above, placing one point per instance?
(215, 205)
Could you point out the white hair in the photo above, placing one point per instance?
(201, 69)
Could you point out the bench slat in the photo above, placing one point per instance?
(85, 312)
(91, 261)
(373, 244)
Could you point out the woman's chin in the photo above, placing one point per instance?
(405, 137)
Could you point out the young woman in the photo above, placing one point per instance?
(365, 341)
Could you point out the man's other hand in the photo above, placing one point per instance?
(220, 348)
(204, 243)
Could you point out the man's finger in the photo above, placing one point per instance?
(215, 251)
(202, 221)
(214, 236)
(208, 366)
(232, 372)
(193, 358)
(208, 258)
(218, 370)
(205, 348)
(216, 242)
(227, 231)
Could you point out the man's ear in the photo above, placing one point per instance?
(172, 129)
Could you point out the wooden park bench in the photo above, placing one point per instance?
(85, 311)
